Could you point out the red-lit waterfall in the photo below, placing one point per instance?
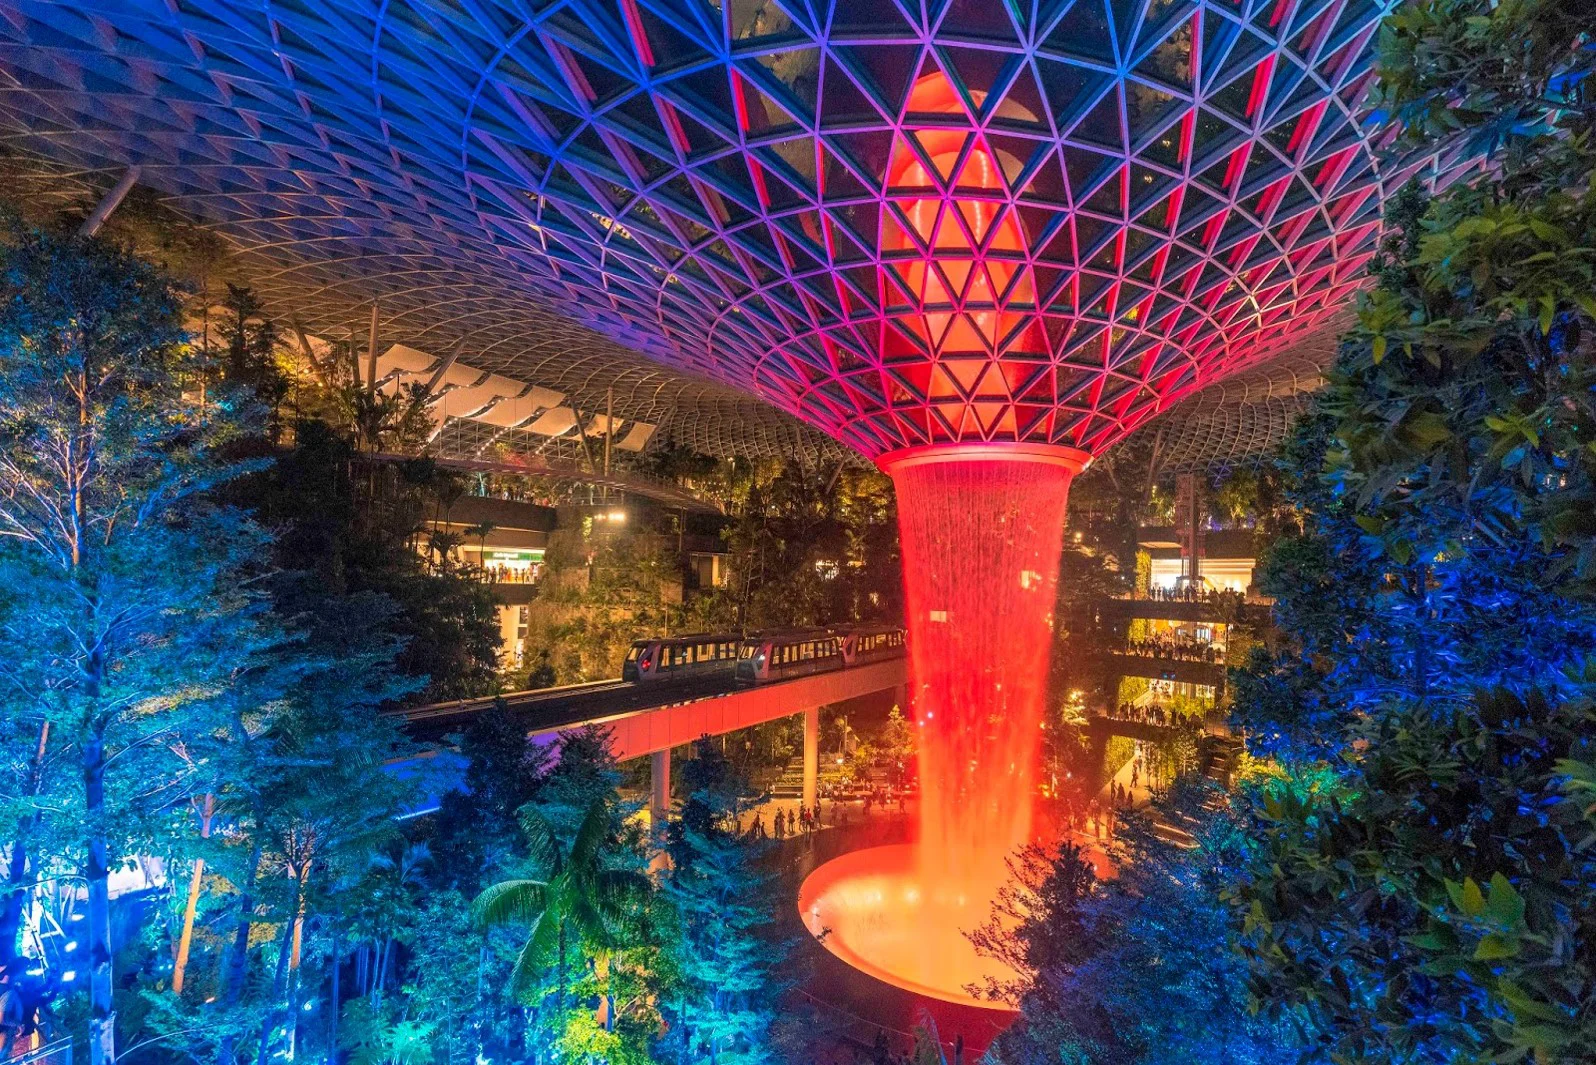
(981, 525)
(981, 528)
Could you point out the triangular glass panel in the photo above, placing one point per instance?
(1083, 31)
(1071, 90)
(841, 101)
(793, 76)
(1102, 125)
(883, 70)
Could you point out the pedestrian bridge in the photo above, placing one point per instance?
(652, 717)
(1213, 724)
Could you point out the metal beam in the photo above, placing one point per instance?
(371, 352)
(110, 202)
(443, 366)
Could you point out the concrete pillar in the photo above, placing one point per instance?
(659, 793)
(811, 756)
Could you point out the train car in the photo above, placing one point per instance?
(872, 643)
(783, 655)
(680, 657)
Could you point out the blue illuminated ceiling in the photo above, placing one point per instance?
(706, 184)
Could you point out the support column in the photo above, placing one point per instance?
(371, 352)
(811, 756)
(659, 790)
(659, 811)
(110, 202)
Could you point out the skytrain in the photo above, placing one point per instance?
(761, 657)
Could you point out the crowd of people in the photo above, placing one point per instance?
(1150, 714)
(502, 574)
(803, 821)
(1189, 593)
(832, 807)
(1180, 648)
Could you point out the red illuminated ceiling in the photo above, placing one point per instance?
(905, 223)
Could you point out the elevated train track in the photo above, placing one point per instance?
(648, 717)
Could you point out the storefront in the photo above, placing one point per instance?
(509, 565)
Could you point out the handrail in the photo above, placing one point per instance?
(56, 1052)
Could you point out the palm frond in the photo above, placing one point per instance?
(511, 902)
(530, 960)
(589, 842)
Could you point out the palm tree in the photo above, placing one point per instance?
(582, 900)
(481, 530)
(443, 544)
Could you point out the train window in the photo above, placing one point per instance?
(631, 656)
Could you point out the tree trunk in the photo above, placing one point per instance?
(333, 1006)
(238, 961)
(186, 939)
(19, 876)
(102, 1015)
(274, 1016)
(476, 1015)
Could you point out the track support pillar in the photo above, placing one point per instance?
(811, 756)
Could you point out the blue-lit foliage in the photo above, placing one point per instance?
(726, 958)
(1422, 883)
(1142, 968)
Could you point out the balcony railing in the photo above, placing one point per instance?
(1207, 654)
(58, 1052)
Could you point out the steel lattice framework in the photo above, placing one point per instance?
(906, 223)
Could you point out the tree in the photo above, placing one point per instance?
(1420, 890)
(131, 612)
(347, 523)
(1431, 906)
(583, 902)
(249, 357)
(477, 832)
(1143, 967)
(722, 954)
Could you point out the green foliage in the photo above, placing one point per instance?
(1429, 906)
(345, 526)
(724, 958)
(1421, 887)
(811, 546)
(586, 906)
(1466, 396)
(1141, 968)
(128, 610)
(604, 587)
(383, 1035)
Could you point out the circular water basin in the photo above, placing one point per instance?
(871, 909)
